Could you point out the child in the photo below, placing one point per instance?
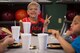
(37, 23)
(74, 47)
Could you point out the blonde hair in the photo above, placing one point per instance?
(33, 3)
(77, 18)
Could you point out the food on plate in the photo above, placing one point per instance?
(53, 46)
(17, 44)
(49, 30)
(32, 47)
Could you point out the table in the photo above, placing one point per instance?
(34, 41)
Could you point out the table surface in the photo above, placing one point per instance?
(34, 41)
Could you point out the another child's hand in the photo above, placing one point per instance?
(8, 36)
(47, 21)
(69, 32)
(9, 40)
(56, 33)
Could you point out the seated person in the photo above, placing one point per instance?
(74, 46)
(5, 41)
(38, 24)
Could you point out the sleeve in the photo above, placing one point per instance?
(25, 19)
(76, 45)
(42, 20)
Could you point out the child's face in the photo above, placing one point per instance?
(75, 26)
(33, 11)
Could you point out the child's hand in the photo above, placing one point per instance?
(69, 32)
(9, 40)
(8, 36)
(20, 20)
(47, 21)
(56, 33)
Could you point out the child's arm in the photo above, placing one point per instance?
(46, 22)
(4, 44)
(66, 46)
(1, 48)
(21, 25)
(45, 29)
(1, 40)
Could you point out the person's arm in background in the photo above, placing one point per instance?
(21, 25)
(66, 46)
(46, 22)
(45, 29)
